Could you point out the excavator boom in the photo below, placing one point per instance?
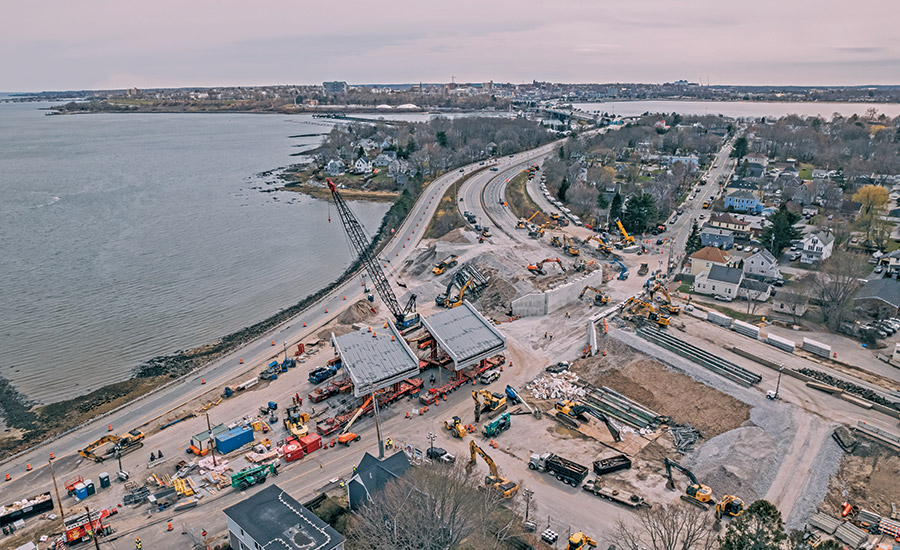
(505, 487)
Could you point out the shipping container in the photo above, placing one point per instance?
(310, 443)
(234, 439)
(292, 451)
(25, 508)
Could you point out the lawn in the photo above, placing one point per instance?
(518, 198)
(739, 315)
(806, 171)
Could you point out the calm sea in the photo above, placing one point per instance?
(123, 237)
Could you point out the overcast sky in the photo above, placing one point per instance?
(65, 45)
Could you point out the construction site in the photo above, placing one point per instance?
(526, 343)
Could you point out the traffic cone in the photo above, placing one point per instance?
(369, 330)
(241, 362)
(304, 324)
(169, 527)
(109, 427)
(273, 342)
(51, 456)
(345, 297)
(407, 414)
(203, 381)
(28, 467)
(8, 477)
(326, 310)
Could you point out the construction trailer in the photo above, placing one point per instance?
(203, 442)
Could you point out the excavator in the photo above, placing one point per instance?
(295, 421)
(122, 443)
(599, 297)
(730, 505)
(579, 540)
(570, 247)
(523, 223)
(456, 427)
(503, 486)
(646, 309)
(582, 265)
(448, 300)
(570, 412)
(493, 403)
(627, 239)
(536, 233)
(696, 493)
(665, 305)
(556, 241)
(346, 436)
(538, 268)
(602, 245)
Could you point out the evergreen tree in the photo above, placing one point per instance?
(603, 202)
(640, 212)
(615, 209)
(441, 138)
(780, 231)
(741, 147)
(563, 187)
(760, 527)
(693, 243)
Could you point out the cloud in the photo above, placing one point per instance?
(860, 49)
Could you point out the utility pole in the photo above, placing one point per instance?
(62, 515)
(212, 448)
(285, 350)
(431, 438)
(93, 531)
(378, 426)
(528, 494)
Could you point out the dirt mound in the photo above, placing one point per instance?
(496, 297)
(869, 478)
(356, 313)
(551, 280)
(423, 262)
(457, 235)
(666, 391)
(730, 462)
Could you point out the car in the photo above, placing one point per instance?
(723, 298)
(795, 256)
(478, 227)
(879, 269)
(559, 367)
(438, 453)
(755, 249)
(489, 376)
(659, 241)
(512, 156)
(701, 216)
(481, 163)
(494, 169)
(698, 190)
(690, 198)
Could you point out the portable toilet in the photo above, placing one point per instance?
(104, 480)
(80, 491)
(89, 485)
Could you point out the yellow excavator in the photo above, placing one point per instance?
(522, 223)
(646, 309)
(696, 493)
(488, 402)
(538, 268)
(627, 239)
(503, 486)
(571, 412)
(555, 241)
(579, 540)
(449, 300)
(666, 304)
(122, 443)
(456, 427)
(570, 247)
(599, 297)
(730, 505)
(296, 421)
(602, 245)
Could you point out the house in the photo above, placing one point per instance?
(271, 518)
(757, 291)
(790, 171)
(805, 193)
(754, 172)
(817, 246)
(743, 201)
(820, 174)
(730, 222)
(736, 184)
(371, 474)
(719, 238)
(690, 162)
(891, 262)
(362, 166)
(707, 257)
(335, 167)
(719, 281)
(790, 303)
(763, 263)
(399, 166)
(879, 298)
(758, 159)
(384, 159)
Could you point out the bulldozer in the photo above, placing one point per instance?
(730, 506)
(121, 444)
(579, 540)
(538, 268)
(494, 403)
(696, 493)
(503, 486)
(599, 297)
(456, 427)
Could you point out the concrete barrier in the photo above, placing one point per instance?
(592, 337)
(543, 303)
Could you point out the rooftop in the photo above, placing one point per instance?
(273, 517)
(376, 359)
(886, 290)
(726, 218)
(711, 254)
(465, 335)
(372, 474)
(731, 275)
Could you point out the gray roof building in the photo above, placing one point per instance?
(884, 290)
(376, 359)
(372, 474)
(271, 518)
(730, 275)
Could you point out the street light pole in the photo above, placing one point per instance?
(62, 515)
(431, 438)
(212, 448)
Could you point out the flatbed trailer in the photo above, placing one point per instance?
(621, 497)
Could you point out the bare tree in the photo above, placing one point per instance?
(796, 300)
(668, 527)
(836, 282)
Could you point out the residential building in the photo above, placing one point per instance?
(362, 165)
(757, 158)
(719, 281)
(707, 257)
(805, 193)
(384, 159)
(757, 291)
(337, 87)
(754, 172)
(719, 238)
(271, 518)
(790, 303)
(817, 246)
(762, 263)
(730, 222)
(891, 262)
(690, 162)
(819, 174)
(743, 201)
(335, 167)
(879, 298)
(372, 474)
(737, 184)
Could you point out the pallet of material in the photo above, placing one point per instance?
(852, 536)
(824, 387)
(719, 319)
(825, 523)
(746, 329)
(781, 343)
(818, 348)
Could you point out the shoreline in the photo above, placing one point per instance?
(324, 193)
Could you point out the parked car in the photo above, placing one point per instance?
(437, 453)
(659, 241)
(795, 256)
(879, 269)
(489, 376)
(559, 367)
(723, 298)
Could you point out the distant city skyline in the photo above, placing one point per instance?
(59, 45)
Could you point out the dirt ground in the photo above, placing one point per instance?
(665, 390)
(358, 312)
(868, 478)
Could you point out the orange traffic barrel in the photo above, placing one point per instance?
(28, 467)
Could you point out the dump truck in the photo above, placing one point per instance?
(622, 497)
(565, 470)
(446, 263)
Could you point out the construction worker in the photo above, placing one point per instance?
(159, 454)
(152, 456)
(545, 334)
(137, 543)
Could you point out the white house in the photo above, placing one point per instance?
(763, 263)
(790, 303)
(271, 518)
(820, 174)
(757, 291)
(362, 165)
(817, 246)
(757, 158)
(719, 280)
(335, 167)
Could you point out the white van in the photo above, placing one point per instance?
(489, 376)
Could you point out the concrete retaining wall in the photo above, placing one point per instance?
(818, 348)
(542, 303)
